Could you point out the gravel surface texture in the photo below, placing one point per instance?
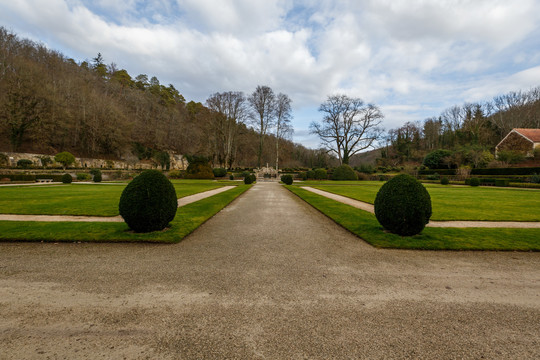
(268, 277)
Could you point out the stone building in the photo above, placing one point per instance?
(520, 140)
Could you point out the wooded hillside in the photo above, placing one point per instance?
(50, 103)
(470, 131)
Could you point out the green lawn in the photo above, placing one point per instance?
(457, 202)
(366, 226)
(80, 199)
(187, 219)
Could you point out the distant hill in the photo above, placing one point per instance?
(368, 157)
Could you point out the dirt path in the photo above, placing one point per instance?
(450, 224)
(268, 277)
(60, 218)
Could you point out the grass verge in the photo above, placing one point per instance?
(458, 202)
(366, 226)
(80, 199)
(187, 219)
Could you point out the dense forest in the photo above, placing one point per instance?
(469, 132)
(50, 103)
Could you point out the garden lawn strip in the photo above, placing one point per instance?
(58, 218)
(366, 226)
(459, 202)
(455, 224)
(187, 219)
(84, 200)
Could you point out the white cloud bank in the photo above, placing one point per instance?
(414, 58)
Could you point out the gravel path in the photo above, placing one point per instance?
(450, 224)
(57, 218)
(268, 277)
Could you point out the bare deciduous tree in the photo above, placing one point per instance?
(348, 126)
(230, 109)
(263, 102)
(283, 121)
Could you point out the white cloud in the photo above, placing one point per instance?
(411, 57)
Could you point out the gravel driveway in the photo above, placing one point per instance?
(267, 277)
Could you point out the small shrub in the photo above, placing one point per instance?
(65, 158)
(94, 172)
(366, 168)
(535, 179)
(344, 172)
(249, 179)
(231, 177)
(45, 160)
(474, 182)
(464, 172)
(287, 179)
(67, 179)
(310, 174)
(362, 176)
(510, 157)
(24, 163)
(175, 174)
(437, 159)
(320, 174)
(4, 160)
(148, 203)
(97, 178)
(445, 181)
(219, 172)
(83, 176)
(403, 206)
(244, 174)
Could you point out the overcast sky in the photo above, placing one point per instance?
(412, 58)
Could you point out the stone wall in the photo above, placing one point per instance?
(178, 162)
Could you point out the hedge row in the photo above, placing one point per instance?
(490, 171)
(30, 177)
(507, 171)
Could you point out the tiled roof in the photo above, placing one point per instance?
(531, 134)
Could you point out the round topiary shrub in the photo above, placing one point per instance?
(475, 182)
(231, 177)
(98, 177)
(445, 181)
(344, 172)
(148, 203)
(287, 179)
(67, 179)
(249, 179)
(219, 172)
(403, 205)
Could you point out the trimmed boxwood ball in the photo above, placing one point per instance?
(287, 179)
(148, 203)
(403, 206)
(250, 179)
(445, 181)
(475, 182)
(67, 179)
